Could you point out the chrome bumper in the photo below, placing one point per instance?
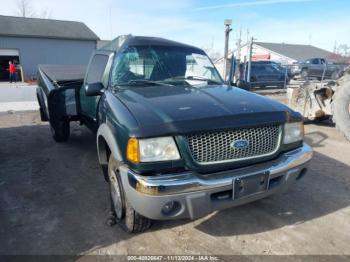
(148, 194)
(189, 182)
(295, 71)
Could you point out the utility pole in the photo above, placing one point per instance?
(228, 23)
(250, 58)
(239, 46)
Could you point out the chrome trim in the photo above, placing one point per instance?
(190, 182)
(279, 142)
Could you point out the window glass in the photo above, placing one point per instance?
(96, 69)
(270, 69)
(315, 61)
(161, 63)
(258, 68)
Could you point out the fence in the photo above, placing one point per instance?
(270, 74)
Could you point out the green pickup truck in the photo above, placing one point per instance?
(173, 140)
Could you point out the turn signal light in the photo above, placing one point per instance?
(149, 190)
(132, 150)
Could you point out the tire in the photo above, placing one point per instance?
(243, 85)
(61, 131)
(129, 219)
(304, 74)
(42, 114)
(335, 75)
(341, 108)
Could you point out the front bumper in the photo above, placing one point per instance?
(197, 195)
(295, 70)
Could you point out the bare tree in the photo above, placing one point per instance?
(25, 9)
(212, 53)
(46, 13)
(343, 50)
(341, 53)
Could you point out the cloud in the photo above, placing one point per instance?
(182, 20)
(252, 3)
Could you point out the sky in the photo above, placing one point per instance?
(201, 22)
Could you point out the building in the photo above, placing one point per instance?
(287, 53)
(283, 53)
(33, 41)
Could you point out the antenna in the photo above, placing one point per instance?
(110, 21)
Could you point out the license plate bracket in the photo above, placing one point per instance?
(246, 186)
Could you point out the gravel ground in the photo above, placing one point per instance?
(53, 200)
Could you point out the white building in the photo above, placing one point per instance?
(282, 53)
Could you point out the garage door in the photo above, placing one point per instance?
(9, 52)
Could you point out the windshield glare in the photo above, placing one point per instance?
(162, 64)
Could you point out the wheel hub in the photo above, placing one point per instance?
(116, 194)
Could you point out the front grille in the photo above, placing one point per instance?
(215, 147)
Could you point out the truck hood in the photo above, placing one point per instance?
(162, 110)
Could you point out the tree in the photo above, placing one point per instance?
(341, 53)
(343, 50)
(25, 9)
(212, 53)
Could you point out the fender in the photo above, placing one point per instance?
(105, 132)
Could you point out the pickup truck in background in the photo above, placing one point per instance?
(268, 73)
(173, 140)
(319, 68)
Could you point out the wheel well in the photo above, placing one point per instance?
(104, 151)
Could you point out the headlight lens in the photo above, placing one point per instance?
(152, 149)
(293, 132)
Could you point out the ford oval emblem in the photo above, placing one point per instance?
(240, 144)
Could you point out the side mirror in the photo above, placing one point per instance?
(94, 89)
(243, 84)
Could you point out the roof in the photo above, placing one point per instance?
(102, 43)
(45, 28)
(131, 40)
(296, 52)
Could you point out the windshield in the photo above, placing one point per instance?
(162, 64)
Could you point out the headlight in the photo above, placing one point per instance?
(293, 132)
(152, 150)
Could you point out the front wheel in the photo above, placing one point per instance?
(335, 75)
(125, 215)
(60, 131)
(304, 74)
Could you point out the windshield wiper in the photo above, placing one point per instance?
(197, 78)
(143, 82)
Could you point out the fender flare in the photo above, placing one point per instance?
(105, 132)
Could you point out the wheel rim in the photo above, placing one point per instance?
(304, 73)
(116, 194)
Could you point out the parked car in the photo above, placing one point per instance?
(267, 74)
(286, 69)
(172, 139)
(318, 68)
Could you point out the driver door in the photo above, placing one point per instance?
(95, 73)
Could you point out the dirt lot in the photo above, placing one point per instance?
(53, 200)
